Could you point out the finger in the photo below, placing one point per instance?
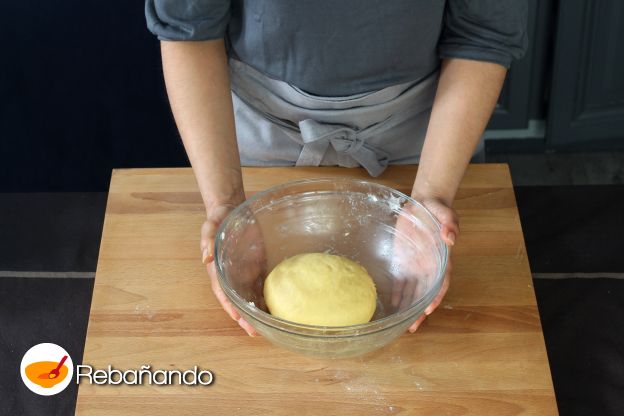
(397, 288)
(206, 241)
(221, 297)
(408, 293)
(207, 233)
(448, 219)
(450, 228)
(208, 253)
(416, 324)
(438, 299)
(449, 235)
(247, 327)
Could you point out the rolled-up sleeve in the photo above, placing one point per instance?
(187, 19)
(484, 30)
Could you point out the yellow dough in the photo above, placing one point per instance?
(320, 289)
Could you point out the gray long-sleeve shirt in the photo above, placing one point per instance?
(345, 47)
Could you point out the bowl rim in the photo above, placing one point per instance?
(320, 330)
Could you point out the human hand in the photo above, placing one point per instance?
(214, 216)
(415, 265)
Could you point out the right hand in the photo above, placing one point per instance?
(214, 216)
(413, 269)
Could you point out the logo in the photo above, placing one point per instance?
(47, 369)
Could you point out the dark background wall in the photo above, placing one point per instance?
(81, 92)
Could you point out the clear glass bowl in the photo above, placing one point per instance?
(394, 237)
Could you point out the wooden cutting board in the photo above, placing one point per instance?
(481, 353)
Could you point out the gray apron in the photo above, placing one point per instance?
(278, 124)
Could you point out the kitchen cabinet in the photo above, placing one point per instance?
(587, 94)
(522, 96)
(570, 78)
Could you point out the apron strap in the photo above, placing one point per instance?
(346, 141)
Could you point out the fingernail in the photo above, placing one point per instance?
(235, 316)
(451, 237)
(243, 324)
(204, 255)
(412, 330)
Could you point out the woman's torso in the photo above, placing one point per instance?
(337, 48)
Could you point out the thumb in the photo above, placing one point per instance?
(206, 241)
(447, 217)
(209, 228)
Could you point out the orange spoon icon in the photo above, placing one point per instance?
(54, 373)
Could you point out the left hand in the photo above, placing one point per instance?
(405, 290)
(246, 273)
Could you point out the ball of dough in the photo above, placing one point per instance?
(320, 289)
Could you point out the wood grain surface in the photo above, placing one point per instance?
(481, 353)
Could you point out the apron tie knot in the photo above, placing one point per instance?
(350, 146)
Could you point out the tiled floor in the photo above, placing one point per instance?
(49, 236)
(51, 232)
(35, 310)
(576, 230)
(567, 229)
(573, 228)
(573, 221)
(583, 321)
